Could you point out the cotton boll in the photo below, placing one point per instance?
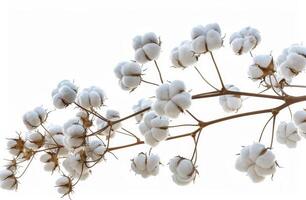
(263, 60)
(230, 103)
(64, 185)
(34, 141)
(197, 31)
(147, 47)
(162, 92)
(159, 107)
(175, 88)
(8, 180)
(141, 105)
(92, 97)
(199, 45)
(50, 160)
(74, 165)
(186, 56)
(129, 74)
(137, 42)
(16, 146)
(150, 140)
(173, 163)
(95, 149)
(242, 164)
(299, 119)
(64, 94)
(296, 62)
(255, 150)
(33, 119)
(145, 165)
(245, 40)
(183, 170)
(152, 51)
(111, 115)
(172, 110)
(287, 134)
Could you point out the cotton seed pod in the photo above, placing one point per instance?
(95, 149)
(206, 38)
(74, 164)
(245, 40)
(183, 55)
(34, 118)
(64, 94)
(277, 81)
(92, 97)
(145, 165)
(299, 119)
(50, 160)
(34, 140)
(141, 105)
(172, 99)
(154, 128)
(129, 74)
(8, 180)
(64, 185)
(257, 161)
(147, 47)
(16, 146)
(231, 103)
(74, 133)
(287, 134)
(262, 66)
(183, 170)
(111, 115)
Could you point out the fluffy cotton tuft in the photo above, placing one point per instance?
(172, 99)
(111, 115)
(262, 66)
(74, 133)
(206, 38)
(8, 180)
(147, 47)
(154, 128)
(231, 103)
(129, 75)
(287, 134)
(245, 40)
(50, 161)
(64, 94)
(257, 161)
(299, 119)
(145, 165)
(183, 55)
(142, 104)
(16, 146)
(92, 97)
(34, 140)
(55, 136)
(34, 118)
(64, 185)
(183, 170)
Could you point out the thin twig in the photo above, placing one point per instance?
(216, 66)
(159, 73)
(203, 78)
(263, 129)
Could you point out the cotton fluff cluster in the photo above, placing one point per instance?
(15, 146)
(245, 40)
(64, 94)
(129, 74)
(172, 99)
(50, 161)
(292, 61)
(206, 38)
(154, 128)
(145, 165)
(54, 137)
(287, 134)
(64, 185)
(74, 133)
(95, 149)
(92, 97)
(183, 55)
(111, 115)
(257, 161)
(75, 165)
(231, 102)
(34, 140)
(262, 66)
(183, 170)
(142, 104)
(147, 47)
(34, 118)
(299, 119)
(8, 180)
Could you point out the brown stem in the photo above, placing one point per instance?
(159, 73)
(216, 66)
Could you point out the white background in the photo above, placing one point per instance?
(43, 42)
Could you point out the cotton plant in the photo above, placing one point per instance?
(95, 131)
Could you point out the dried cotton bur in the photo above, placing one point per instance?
(71, 149)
